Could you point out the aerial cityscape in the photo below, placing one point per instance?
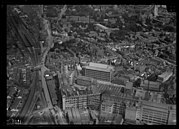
(91, 65)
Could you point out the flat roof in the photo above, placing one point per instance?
(109, 83)
(97, 68)
(155, 105)
(98, 65)
(165, 74)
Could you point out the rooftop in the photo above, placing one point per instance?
(76, 90)
(78, 116)
(101, 26)
(155, 105)
(100, 65)
(102, 87)
(165, 74)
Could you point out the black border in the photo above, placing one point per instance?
(3, 55)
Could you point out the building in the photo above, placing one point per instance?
(84, 81)
(72, 18)
(102, 86)
(85, 117)
(23, 73)
(15, 104)
(78, 116)
(164, 76)
(102, 27)
(130, 113)
(129, 122)
(28, 76)
(94, 101)
(84, 19)
(107, 107)
(150, 85)
(112, 20)
(155, 113)
(172, 115)
(140, 93)
(9, 101)
(12, 91)
(92, 20)
(51, 87)
(107, 118)
(17, 74)
(118, 119)
(99, 71)
(120, 81)
(118, 103)
(81, 100)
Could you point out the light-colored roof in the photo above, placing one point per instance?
(165, 74)
(155, 105)
(100, 67)
(97, 68)
(101, 26)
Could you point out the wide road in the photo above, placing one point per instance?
(45, 88)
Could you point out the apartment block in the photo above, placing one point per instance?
(107, 107)
(94, 101)
(155, 113)
(117, 104)
(81, 101)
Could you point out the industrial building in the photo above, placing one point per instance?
(98, 71)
